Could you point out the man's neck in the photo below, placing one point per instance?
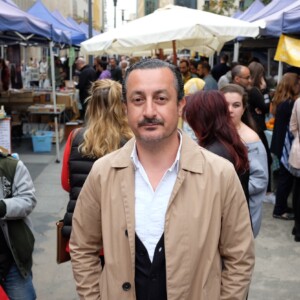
(157, 158)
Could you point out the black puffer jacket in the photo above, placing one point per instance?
(79, 168)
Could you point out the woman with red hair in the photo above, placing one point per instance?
(207, 114)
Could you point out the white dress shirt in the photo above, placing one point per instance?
(150, 205)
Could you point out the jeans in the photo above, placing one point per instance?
(17, 287)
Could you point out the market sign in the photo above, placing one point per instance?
(288, 50)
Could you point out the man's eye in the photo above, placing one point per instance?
(161, 99)
(137, 100)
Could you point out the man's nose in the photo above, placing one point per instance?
(149, 108)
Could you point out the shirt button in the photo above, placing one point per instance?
(126, 286)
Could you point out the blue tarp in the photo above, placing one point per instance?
(291, 22)
(11, 2)
(75, 24)
(274, 22)
(85, 28)
(63, 20)
(39, 10)
(237, 14)
(273, 7)
(14, 19)
(251, 11)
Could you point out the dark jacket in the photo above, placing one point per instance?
(79, 168)
(116, 74)
(86, 77)
(5, 78)
(282, 120)
(219, 149)
(219, 70)
(256, 102)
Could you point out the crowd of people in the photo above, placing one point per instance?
(168, 175)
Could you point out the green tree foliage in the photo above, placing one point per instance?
(223, 7)
(266, 1)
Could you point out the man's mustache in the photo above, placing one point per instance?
(147, 121)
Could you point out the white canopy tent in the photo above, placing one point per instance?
(171, 27)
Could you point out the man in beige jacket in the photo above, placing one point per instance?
(171, 216)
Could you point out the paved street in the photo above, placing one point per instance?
(276, 275)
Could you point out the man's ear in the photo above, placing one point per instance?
(181, 106)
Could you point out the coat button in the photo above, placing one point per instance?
(126, 286)
(126, 232)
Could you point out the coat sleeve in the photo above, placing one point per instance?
(256, 99)
(86, 239)
(236, 243)
(295, 118)
(23, 199)
(258, 183)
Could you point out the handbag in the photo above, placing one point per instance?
(294, 156)
(61, 242)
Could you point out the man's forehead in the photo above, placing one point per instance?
(245, 70)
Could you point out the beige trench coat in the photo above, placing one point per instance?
(207, 219)
(294, 158)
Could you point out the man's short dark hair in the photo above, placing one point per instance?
(183, 60)
(206, 66)
(154, 63)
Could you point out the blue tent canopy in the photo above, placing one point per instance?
(275, 22)
(252, 10)
(237, 14)
(14, 19)
(85, 28)
(273, 7)
(63, 20)
(11, 2)
(75, 24)
(39, 10)
(290, 22)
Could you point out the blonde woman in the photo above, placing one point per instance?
(106, 130)
(257, 156)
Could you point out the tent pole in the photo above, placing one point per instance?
(236, 51)
(211, 60)
(269, 63)
(54, 102)
(174, 53)
(280, 71)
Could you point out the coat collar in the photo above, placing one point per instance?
(190, 160)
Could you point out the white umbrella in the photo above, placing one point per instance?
(189, 28)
